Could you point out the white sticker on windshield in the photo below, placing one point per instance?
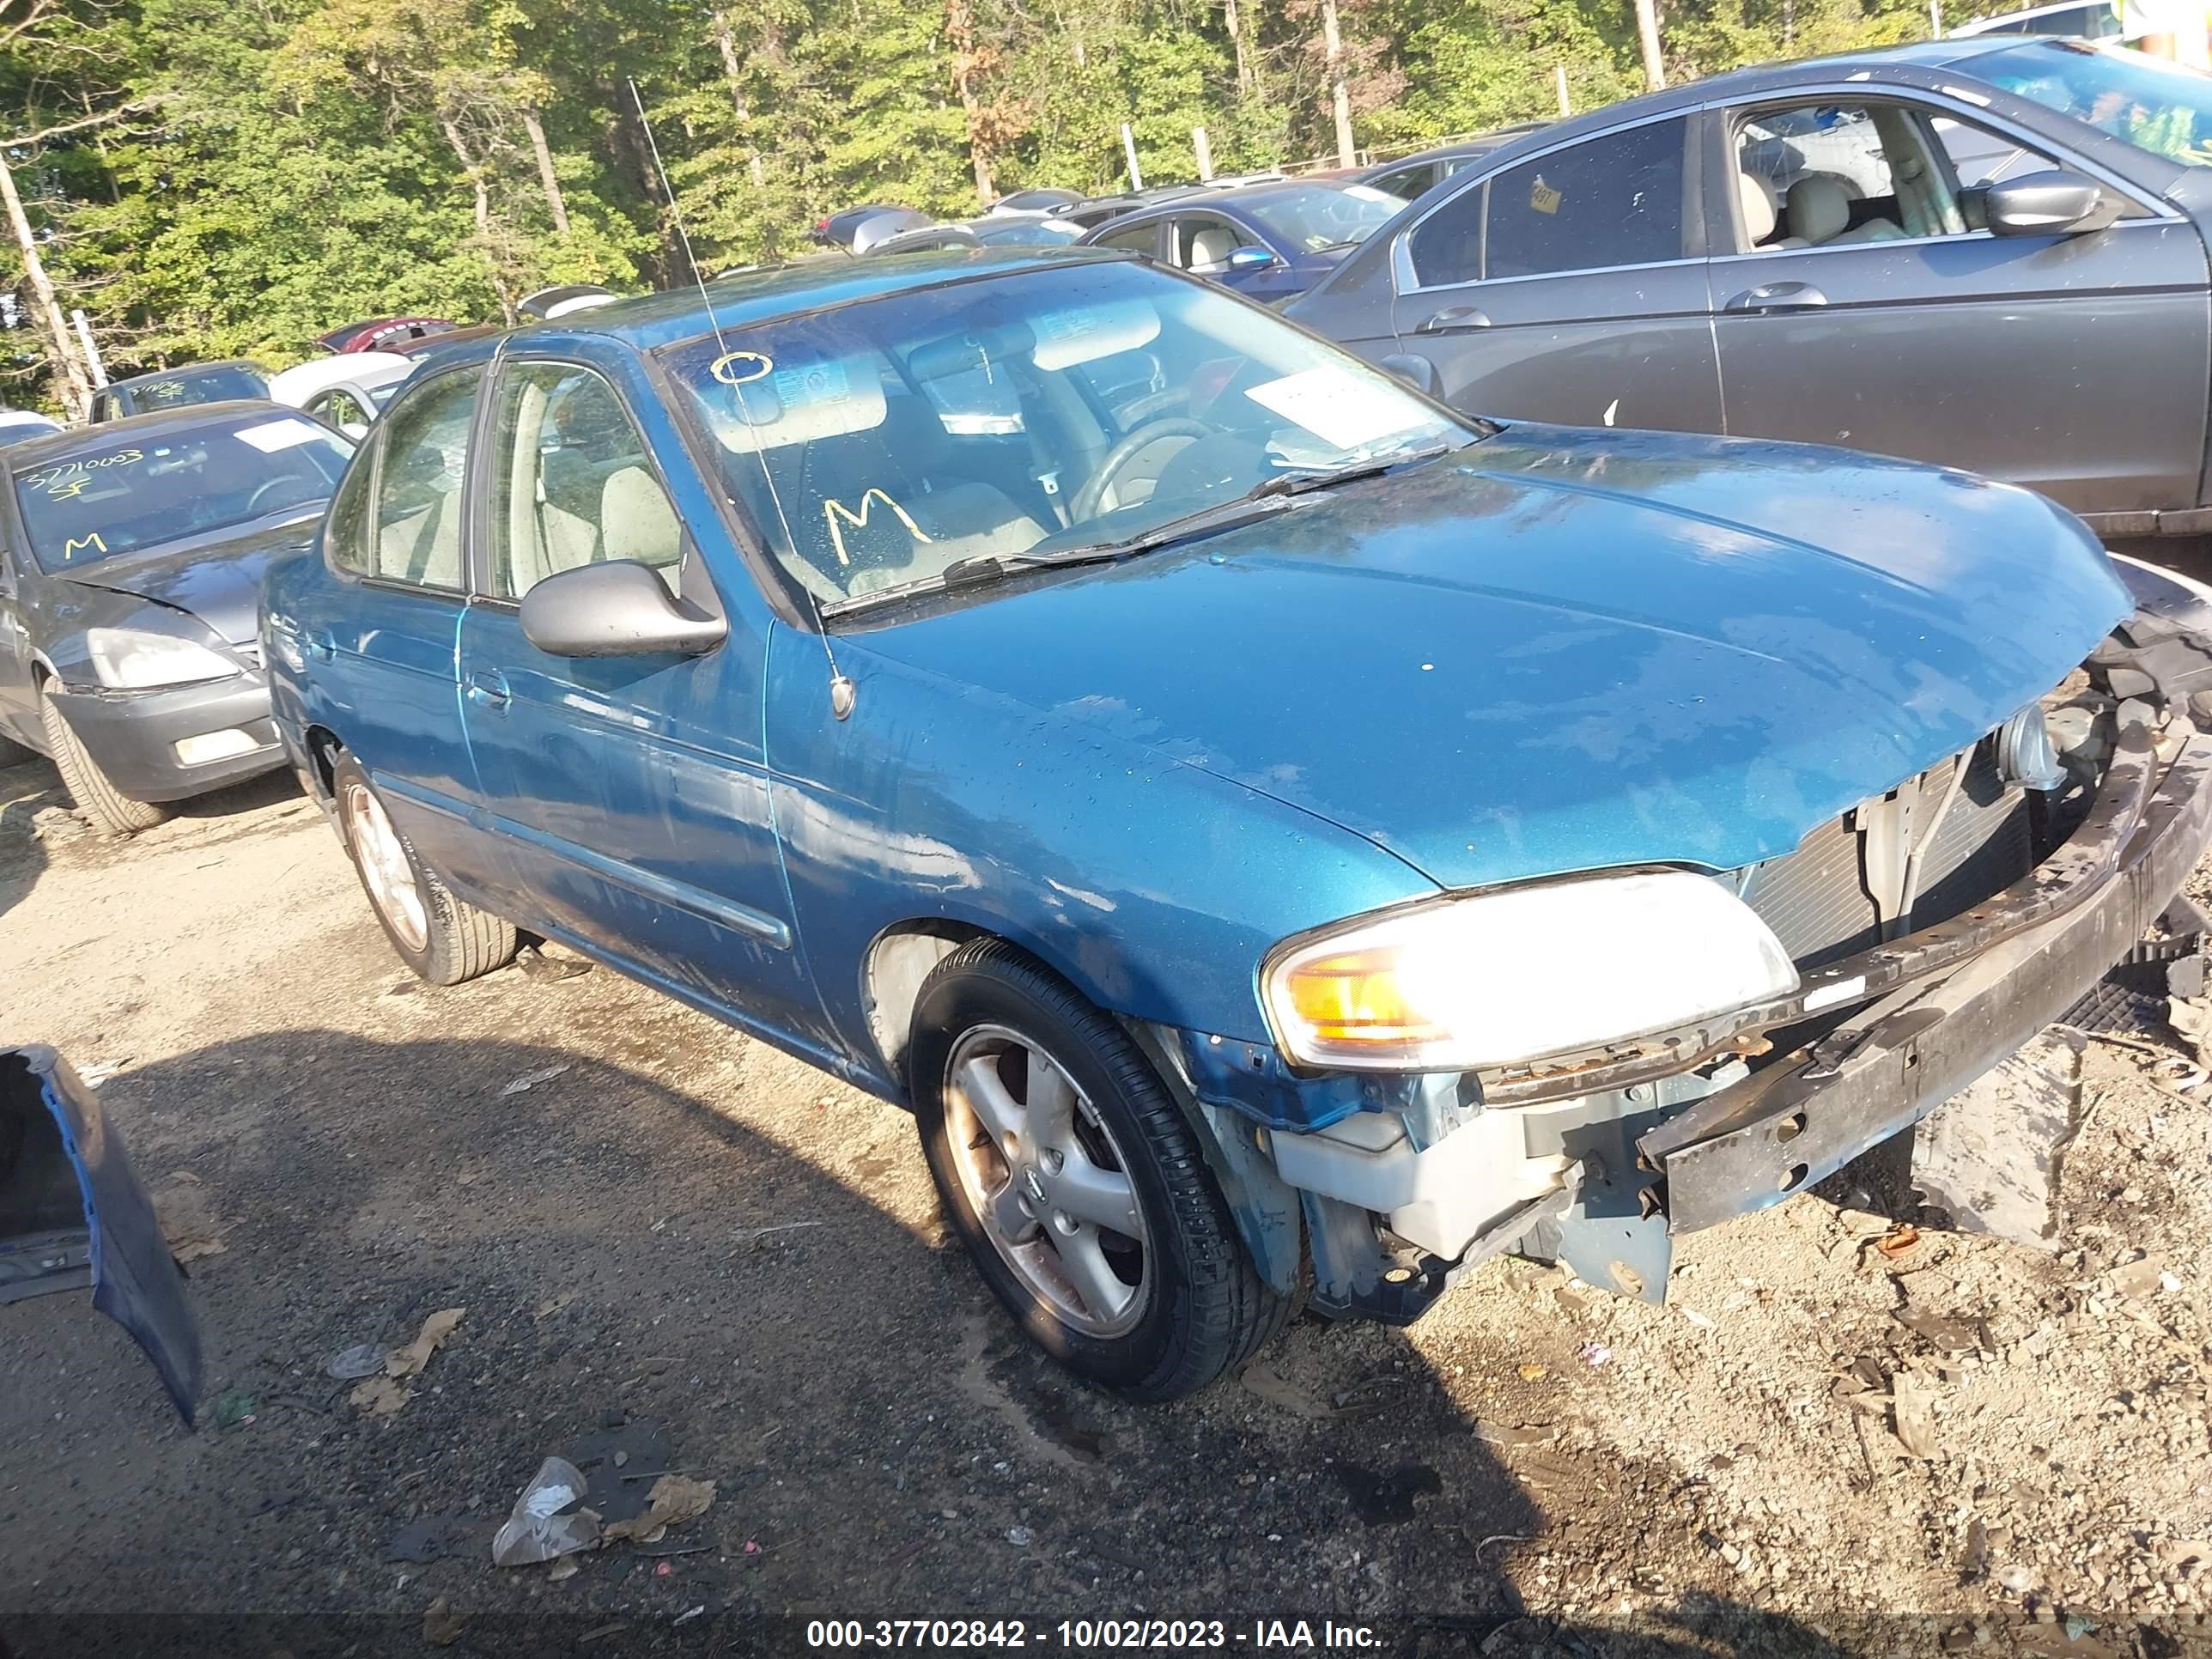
(1368, 193)
(1338, 408)
(270, 436)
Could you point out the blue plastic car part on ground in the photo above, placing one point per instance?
(73, 1212)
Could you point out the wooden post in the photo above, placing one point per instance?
(1340, 93)
(1560, 81)
(1647, 36)
(1205, 154)
(1130, 150)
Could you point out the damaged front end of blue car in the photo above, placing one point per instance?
(73, 1213)
(1912, 943)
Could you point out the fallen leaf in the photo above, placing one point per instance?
(1898, 1240)
(1534, 1373)
(529, 1080)
(1914, 1414)
(379, 1396)
(441, 1626)
(674, 1499)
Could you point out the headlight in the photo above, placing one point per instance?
(129, 660)
(1513, 975)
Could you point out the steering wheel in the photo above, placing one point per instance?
(254, 506)
(1138, 411)
(1085, 504)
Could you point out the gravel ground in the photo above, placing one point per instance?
(680, 1247)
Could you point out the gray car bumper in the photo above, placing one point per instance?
(133, 735)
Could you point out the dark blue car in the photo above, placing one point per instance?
(1284, 840)
(1270, 242)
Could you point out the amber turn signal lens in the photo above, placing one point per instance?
(1356, 997)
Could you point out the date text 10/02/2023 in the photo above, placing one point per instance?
(1091, 1635)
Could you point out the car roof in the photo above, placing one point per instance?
(186, 368)
(57, 445)
(745, 299)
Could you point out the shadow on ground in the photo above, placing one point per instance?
(883, 1445)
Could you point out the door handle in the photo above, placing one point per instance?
(1777, 296)
(487, 688)
(1455, 319)
(319, 644)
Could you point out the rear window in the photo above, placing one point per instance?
(196, 385)
(128, 494)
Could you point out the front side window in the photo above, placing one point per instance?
(1203, 243)
(416, 531)
(1031, 415)
(2153, 105)
(1446, 247)
(131, 493)
(1614, 200)
(573, 482)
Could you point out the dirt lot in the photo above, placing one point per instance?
(675, 1232)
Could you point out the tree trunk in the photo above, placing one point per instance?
(71, 382)
(545, 155)
(733, 72)
(1647, 34)
(1229, 16)
(1339, 94)
(960, 29)
(483, 189)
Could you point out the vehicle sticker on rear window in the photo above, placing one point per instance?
(1338, 408)
(270, 436)
(1368, 193)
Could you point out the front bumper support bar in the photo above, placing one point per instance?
(1804, 1116)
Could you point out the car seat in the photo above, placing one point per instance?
(1819, 213)
(1211, 246)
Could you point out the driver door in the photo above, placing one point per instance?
(629, 795)
(1857, 301)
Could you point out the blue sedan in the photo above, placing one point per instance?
(1286, 842)
(1269, 242)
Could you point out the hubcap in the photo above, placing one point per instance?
(385, 869)
(1042, 1174)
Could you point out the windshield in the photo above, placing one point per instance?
(1314, 216)
(123, 495)
(878, 444)
(196, 385)
(2152, 104)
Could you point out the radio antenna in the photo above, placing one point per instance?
(841, 690)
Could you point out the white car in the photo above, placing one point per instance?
(18, 424)
(345, 392)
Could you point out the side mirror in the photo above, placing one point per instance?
(618, 609)
(1252, 258)
(2052, 203)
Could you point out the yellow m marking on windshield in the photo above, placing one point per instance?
(70, 545)
(833, 510)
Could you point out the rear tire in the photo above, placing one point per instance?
(111, 812)
(441, 938)
(1034, 1106)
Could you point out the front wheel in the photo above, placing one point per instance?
(443, 939)
(111, 812)
(1078, 1187)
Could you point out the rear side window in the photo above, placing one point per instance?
(1142, 239)
(346, 532)
(1616, 200)
(416, 535)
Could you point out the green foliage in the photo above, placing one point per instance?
(267, 172)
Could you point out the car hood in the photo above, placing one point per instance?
(218, 578)
(1564, 649)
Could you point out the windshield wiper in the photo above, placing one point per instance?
(1265, 498)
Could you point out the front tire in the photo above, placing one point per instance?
(1077, 1184)
(111, 812)
(443, 939)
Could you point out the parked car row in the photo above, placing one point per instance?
(1287, 834)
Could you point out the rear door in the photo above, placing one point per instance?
(1859, 301)
(630, 793)
(1569, 286)
(385, 647)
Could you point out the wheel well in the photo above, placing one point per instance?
(898, 962)
(323, 749)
